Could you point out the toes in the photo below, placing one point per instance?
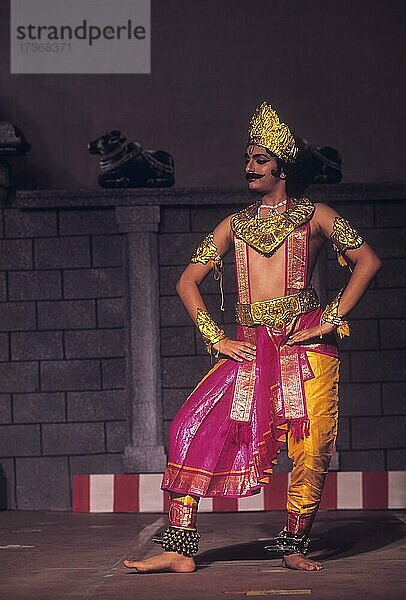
(313, 566)
(302, 565)
(305, 566)
(129, 564)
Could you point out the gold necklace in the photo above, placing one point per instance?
(267, 234)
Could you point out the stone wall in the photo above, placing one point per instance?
(63, 408)
(373, 383)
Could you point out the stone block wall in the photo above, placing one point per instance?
(62, 372)
(373, 386)
(63, 409)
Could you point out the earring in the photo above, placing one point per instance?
(282, 176)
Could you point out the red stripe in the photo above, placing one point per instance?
(375, 490)
(126, 493)
(167, 501)
(275, 493)
(81, 493)
(225, 505)
(329, 496)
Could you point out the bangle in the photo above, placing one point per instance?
(209, 330)
(217, 353)
(331, 315)
(342, 326)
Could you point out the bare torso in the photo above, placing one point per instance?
(267, 274)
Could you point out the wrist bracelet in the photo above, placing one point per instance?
(209, 330)
(330, 315)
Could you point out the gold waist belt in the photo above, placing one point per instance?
(277, 312)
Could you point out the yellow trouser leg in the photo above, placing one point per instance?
(311, 456)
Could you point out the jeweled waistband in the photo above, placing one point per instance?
(277, 312)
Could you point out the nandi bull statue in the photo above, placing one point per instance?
(127, 165)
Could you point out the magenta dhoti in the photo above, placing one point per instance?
(212, 454)
(225, 439)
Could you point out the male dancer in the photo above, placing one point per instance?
(277, 381)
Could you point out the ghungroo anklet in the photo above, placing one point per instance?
(289, 543)
(184, 541)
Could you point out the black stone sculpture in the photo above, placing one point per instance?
(128, 165)
(314, 165)
(12, 143)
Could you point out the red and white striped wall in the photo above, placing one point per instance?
(142, 493)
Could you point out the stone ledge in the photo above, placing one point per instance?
(93, 198)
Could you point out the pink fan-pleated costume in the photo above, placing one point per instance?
(212, 450)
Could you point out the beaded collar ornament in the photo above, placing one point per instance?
(265, 235)
(273, 208)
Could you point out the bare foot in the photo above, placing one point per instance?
(166, 561)
(301, 563)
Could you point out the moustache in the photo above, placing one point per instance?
(253, 176)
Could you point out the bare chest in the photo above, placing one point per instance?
(294, 261)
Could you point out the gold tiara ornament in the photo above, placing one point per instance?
(266, 130)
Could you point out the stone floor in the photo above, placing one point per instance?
(62, 556)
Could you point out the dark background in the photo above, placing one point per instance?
(334, 69)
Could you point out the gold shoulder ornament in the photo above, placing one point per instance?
(266, 235)
(207, 252)
(344, 237)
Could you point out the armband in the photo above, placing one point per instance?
(331, 315)
(209, 330)
(344, 237)
(207, 252)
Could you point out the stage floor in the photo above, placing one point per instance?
(62, 556)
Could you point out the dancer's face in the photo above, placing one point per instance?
(258, 170)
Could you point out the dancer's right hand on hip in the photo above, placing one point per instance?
(236, 349)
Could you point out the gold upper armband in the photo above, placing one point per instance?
(344, 237)
(206, 251)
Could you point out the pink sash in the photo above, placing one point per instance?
(289, 367)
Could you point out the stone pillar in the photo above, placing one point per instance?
(139, 224)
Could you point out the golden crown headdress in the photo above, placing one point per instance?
(266, 130)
